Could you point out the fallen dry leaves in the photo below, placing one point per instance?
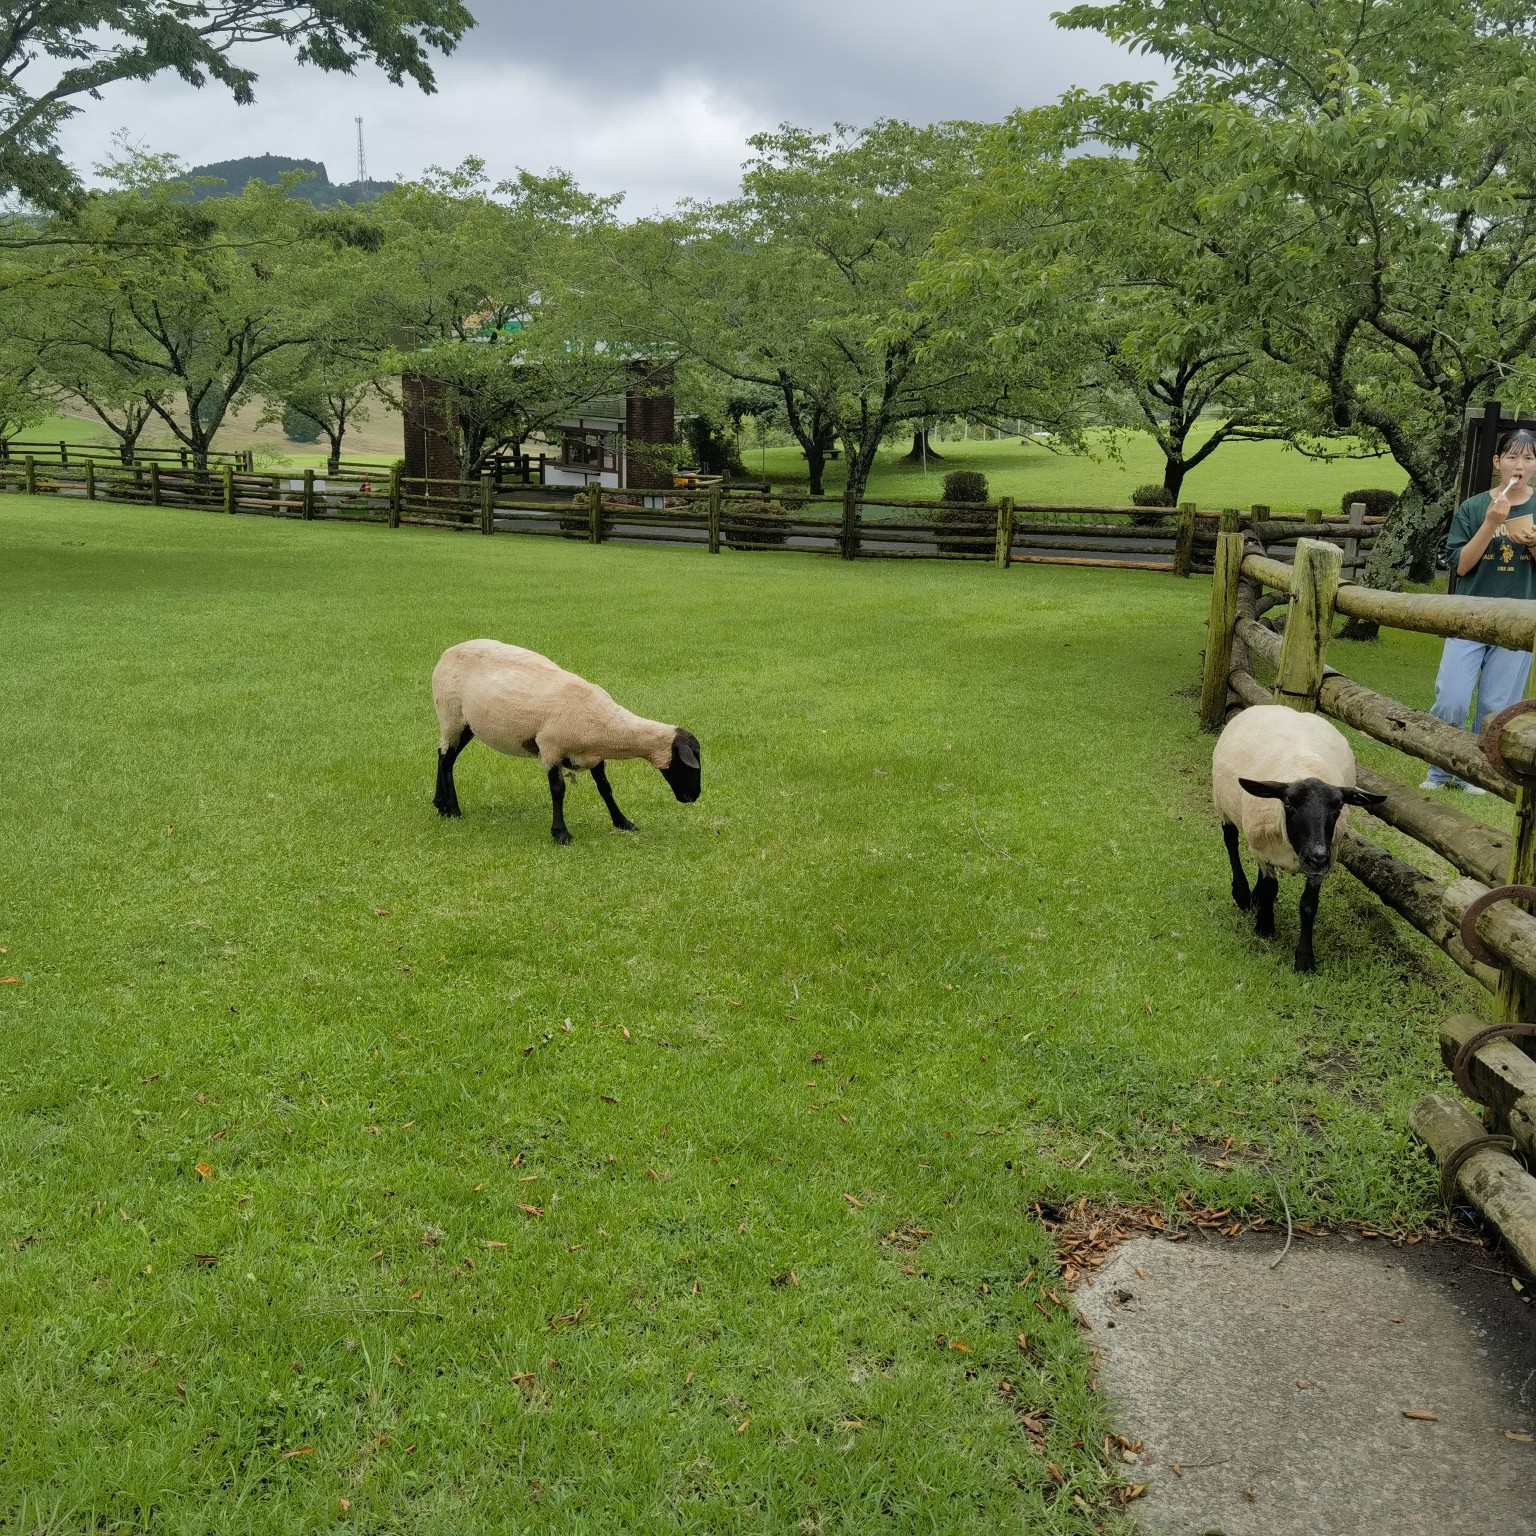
(1085, 1235)
(1427, 1415)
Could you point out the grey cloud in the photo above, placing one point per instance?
(654, 102)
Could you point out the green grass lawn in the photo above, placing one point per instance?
(360, 1165)
(1237, 475)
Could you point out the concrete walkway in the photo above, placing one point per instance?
(1272, 1401)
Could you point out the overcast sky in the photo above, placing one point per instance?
(652, 100)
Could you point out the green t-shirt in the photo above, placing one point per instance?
(1506, 569)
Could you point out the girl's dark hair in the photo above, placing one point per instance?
(1521, 437)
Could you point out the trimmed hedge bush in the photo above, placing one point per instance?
(965, 485)
(1377, 502)
(1150, 495)
(753, 524)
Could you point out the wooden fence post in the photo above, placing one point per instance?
(90, 480)
(850, 537)
(309, 495)
(487, 502)
(1218, 635)
(1004, 551)
(1312, 515)
(1352, 545)
(1516, 997)
(715, 498)
(154, 482)
(31, 475)
(1258, 513)
(595, 512)
(394, 496)
(1184, 540)
(229, 488)
(1308, 624)
(1229, 519)
(63, 452)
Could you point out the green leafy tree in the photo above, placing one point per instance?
(1364, 178)
(1046, 227)
(805, 286)
(79, 46)
(479, 278)
(181, 304)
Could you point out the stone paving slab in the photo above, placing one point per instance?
(1279, 1393)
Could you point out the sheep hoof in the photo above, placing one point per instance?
(1263, 929)
(625, 826)
(561, 836)
(1305, 964)
(449, 810)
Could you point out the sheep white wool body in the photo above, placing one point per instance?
(523, 704)
(1271, 741)
(1286, 780)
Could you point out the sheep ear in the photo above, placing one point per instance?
(1265, 789)
(1362, 797)
(685, 751)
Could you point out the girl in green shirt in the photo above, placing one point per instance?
(1492, 547)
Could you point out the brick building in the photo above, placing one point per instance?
(604, 439)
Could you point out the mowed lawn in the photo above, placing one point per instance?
(359, 1166)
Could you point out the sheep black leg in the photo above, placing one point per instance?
(621, 822)
(557, 794)
(1264, 904)
(1240, 892)
(1305, 960)
(447, 797)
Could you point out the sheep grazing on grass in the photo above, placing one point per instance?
(522, 704)
(1285, 779)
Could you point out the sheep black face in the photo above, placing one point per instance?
(683, 772)
(1311, 810)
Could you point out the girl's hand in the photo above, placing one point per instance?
(1498, 507)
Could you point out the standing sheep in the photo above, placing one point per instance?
(1285, 779)
(522, 704)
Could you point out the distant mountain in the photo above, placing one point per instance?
(318, 189)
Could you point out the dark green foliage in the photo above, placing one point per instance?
(753, 524)
(1150, 495)
(712, 445)
(230, 177)
(966, 530)
(965, 485)
(299, 426)
(1378, 503)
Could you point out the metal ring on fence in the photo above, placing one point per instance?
(1493, 730)
(1461, 1068)
(1487, 899)
(1452, 1165)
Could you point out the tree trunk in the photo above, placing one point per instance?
(921, 449)
(816, 467)
(1412, 525)
(1173, 475)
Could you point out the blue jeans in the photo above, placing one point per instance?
(1497, 677)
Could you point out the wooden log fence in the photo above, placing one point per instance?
(714, 517)
(1476, 918)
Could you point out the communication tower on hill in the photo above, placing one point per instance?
(362, 162)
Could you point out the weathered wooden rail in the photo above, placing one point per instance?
(1479, 919)
(710, 518)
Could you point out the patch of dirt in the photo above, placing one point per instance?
(1085, 1235)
